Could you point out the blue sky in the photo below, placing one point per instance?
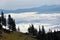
(21, 4)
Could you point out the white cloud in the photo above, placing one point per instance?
(48, 20)
(29, 16)
(24, 26)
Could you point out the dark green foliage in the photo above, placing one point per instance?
(32, 30)
(0, 27)
(7, 31)
(43, 30)
(3, 19)
(48, 36)
(11, 23)
(0, 19)
(10, 20)
(0, 30)
(43, 33)
(39, 35)
(18, 29)
(13, 26)
(39, 31)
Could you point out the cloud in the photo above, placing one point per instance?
(24, 26)
(35, 17)
(20, 4)
(23, 20)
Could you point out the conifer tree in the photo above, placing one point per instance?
(39, 30)
(43, 33)
(39, 36)
(0, 19)
(11, 23)
(18, 29)
(32, 30)
(43, 30)
(3, 19)
(49, 36)
(0, 26)
(0, 29)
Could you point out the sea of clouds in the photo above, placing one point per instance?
(23, 20)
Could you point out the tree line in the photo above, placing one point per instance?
(42, 35)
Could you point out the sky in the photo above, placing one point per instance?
(23, 20)
(23, 4)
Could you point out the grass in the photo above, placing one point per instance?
(16, 36)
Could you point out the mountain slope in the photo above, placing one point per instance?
(16, 36)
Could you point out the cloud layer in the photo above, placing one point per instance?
(23, 20)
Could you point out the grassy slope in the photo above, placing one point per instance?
(16, 36)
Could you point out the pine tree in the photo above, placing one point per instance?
(3, 19)
(43, 30)
(39, 30)
(0, 29)
(43, 33)
(54, 35)
(49, 36)
(18, 29)
(11, 23)
(0, 19)
(39, 36)
(32, 31)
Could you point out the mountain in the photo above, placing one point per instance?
(42, 9)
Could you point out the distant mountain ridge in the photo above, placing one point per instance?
(42, 9)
